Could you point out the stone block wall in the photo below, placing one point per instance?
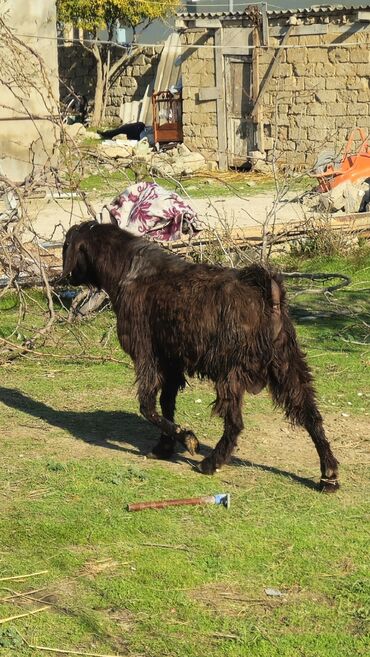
(199, 117)
(319, 91)
(77, 71)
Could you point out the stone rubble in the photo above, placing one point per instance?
(347, 197)
(175, 162)
(121, 149)
(75, 130)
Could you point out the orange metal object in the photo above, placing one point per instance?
(353, 167)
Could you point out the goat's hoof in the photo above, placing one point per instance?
(190, 441)
(329, 485)
(207, 466)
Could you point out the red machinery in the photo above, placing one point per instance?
(353, 167)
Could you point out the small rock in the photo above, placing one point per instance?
(256, 155)
(274, 593)
(261, 167)
(92, 135)
(175, 163)
(143, 149)
(75, 130)
(183, 150)
(116, 149)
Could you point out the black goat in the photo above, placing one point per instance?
(131, 130)
(175, 317)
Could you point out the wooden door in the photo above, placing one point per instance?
(239, 104)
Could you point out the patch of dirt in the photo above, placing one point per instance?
(62, 594)
(93, 568)
(123, 618)
(284, 444)
(267, 444)
(58, 597)
(275, 447)
(226, 600)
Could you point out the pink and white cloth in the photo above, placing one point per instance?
(148, 209)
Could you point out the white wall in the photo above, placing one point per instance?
(26, 143)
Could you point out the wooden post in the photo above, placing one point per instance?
(265, 26)
(257, 116)
(221, 114)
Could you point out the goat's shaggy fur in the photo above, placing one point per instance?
(175, 318)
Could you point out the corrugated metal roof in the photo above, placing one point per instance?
(308, 11)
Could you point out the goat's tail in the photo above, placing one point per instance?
(270, 285)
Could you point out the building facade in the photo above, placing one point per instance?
(287, 83)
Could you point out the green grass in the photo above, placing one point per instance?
(100, 183)
(335, 328)
(185, 581)
(211, 185)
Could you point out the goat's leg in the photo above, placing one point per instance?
(228, 405)
(172, 383)
(171, 432)
(290, 383)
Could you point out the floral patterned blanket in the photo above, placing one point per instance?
(148, 209)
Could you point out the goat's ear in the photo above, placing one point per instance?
(71, 249)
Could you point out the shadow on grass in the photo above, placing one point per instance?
(105, 428)
(304, 481)
(102, 428)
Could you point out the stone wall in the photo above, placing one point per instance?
(318, 92)
(317, 95)
(77, 71)
(199, 117)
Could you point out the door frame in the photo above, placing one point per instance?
(233, 158)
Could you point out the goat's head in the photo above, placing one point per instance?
(77, 255)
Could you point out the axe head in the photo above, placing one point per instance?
(224, 499)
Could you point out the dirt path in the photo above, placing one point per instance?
(51, 216)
